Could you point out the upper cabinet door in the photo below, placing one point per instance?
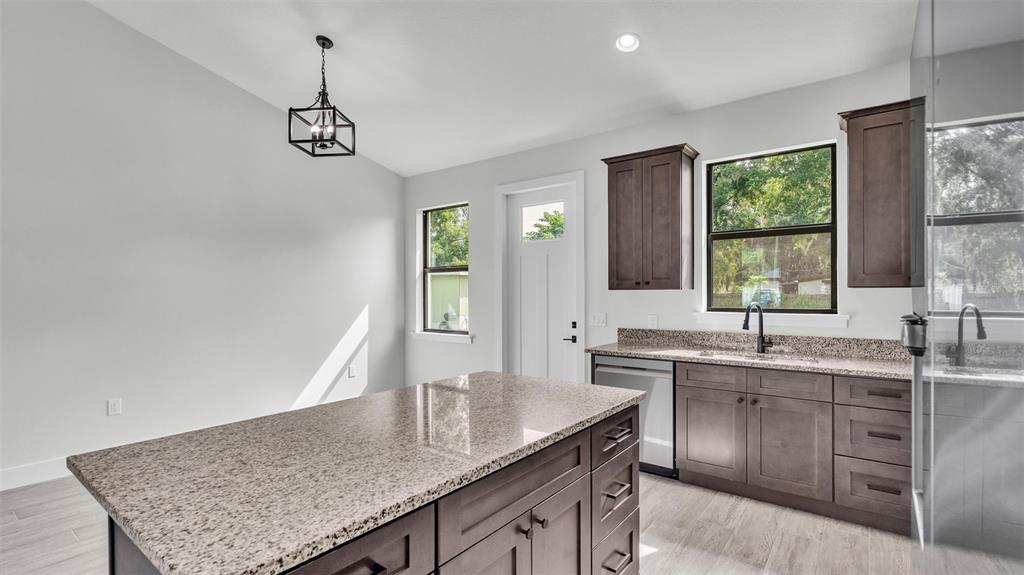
(885, 239)
(625, 224)
(650, 219)
(662, 217)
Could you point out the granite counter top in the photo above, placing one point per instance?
(262, 495)
(852, 366)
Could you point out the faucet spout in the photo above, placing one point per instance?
(762, 342)
(957, 355)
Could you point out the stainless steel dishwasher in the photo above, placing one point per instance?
(657, 411)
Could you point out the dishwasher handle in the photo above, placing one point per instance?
(634, 371)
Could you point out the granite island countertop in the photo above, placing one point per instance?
(850, 366)
(262, 495)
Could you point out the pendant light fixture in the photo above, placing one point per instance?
(321, 130)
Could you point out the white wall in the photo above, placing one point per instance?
(791, 117)
(163, 244)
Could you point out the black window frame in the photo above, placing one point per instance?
(711, 236)
(427, 269)
(974, 218)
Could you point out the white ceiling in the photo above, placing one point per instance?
(432, 85)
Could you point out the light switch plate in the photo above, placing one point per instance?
(652, 322)
(114, 406)
(599, 319)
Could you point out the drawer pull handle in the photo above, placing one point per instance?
(378, 569)
(623, 487)
(884, 435)
(888, 394)
(626, 559)
(885, 489)
(616, 436)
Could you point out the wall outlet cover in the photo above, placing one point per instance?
(114, 406)
(652, 322)
(598, 319)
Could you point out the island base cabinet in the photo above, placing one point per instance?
(507, 551)
(619, 553)
(561, 531)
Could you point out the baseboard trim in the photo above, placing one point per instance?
(21, 475)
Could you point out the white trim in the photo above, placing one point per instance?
(30, 473)
(443, 337)
(733, 320)
(704, 233)
(573, 180)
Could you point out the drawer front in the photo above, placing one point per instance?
(875, 434)
(480, 508)
(619, 553)
(614, 435)
(405, 546)
(615, 491)
(794, 384)
(880, 393)
(724, 377)
(507, 551)
(880, 488)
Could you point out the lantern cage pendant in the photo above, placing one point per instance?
(320, 129)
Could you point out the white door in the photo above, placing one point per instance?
(541, 288)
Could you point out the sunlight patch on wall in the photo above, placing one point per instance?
(334, 371)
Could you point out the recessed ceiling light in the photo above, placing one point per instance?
(627, 42)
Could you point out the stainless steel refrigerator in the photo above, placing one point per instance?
(968, 467)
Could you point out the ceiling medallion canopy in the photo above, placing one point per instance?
(321, 130)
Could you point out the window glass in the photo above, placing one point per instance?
(544, 221)
(448, 294)
(448, 232)
(978, 168)
(786, 189)
(783, 272)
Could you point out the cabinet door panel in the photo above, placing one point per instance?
(507, 551)
(711, 435)
(625, 225)
(661, 221)
(561, 526)
(880, 227)
(789, 445)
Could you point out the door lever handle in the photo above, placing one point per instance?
(572, 339)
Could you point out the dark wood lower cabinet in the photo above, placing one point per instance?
(711, 432)
(789, 445)
(507, 551)
(619, 553)
(561, 531)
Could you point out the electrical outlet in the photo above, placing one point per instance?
(114, 406)
(351, 371)
(598, 319)
(652, 322)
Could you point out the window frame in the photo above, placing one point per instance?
(427, 269)
(710, 236)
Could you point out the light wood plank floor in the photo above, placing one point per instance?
(56, 528)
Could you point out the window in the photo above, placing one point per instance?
(978, 221)
(544, 222)
(446, 269)
(771, 237)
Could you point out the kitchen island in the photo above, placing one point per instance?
(450, 476)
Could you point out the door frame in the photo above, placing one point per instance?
(573, 181)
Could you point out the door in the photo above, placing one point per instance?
(544, 340)
(561, 540)
(712, 432)
(789, 445)
(507, 551)
(661, 221)
(625, 224)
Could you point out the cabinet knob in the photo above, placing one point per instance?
(739, 399)
(753, 402)
(528, 533)
(636, 283)
(647, 283)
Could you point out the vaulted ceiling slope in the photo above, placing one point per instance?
(432, 85)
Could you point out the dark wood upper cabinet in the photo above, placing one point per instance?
(886, 194)
(650, 219)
